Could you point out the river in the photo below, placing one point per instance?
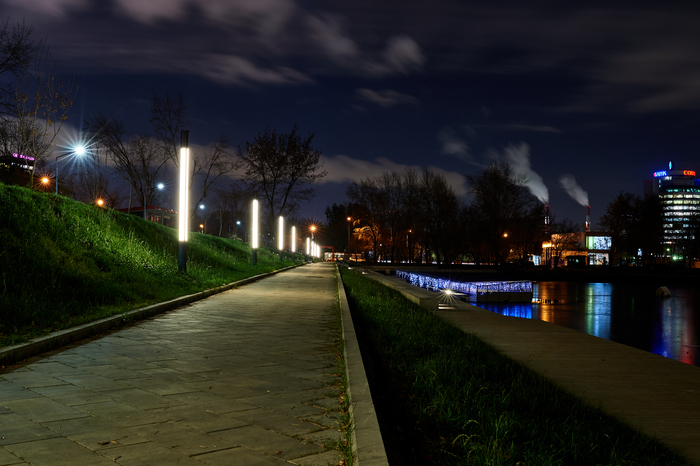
(625, 313)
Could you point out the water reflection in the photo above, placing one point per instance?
(624, 313)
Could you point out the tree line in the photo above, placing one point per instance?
(417, 217)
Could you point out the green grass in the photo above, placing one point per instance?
(64, 263)
(476, 406)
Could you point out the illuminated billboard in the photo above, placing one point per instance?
(599, 242)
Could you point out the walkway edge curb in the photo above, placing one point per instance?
(367, 443)
(12, 354)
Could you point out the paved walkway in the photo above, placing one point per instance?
(659, 396)
(245, 377)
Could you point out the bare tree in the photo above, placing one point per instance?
(138, 158)
(281, 169)
(366, 218)
(42, 101)
(209, 165)
(500, 201)
(230, 205)
(565, 237)
(17, 51)
(169, 116)
(440, 207)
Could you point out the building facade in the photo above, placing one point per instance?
(679, 194)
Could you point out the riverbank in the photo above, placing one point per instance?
(429, 368)
(658, 276)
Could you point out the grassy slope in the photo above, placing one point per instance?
(476, 406)
(63, 263)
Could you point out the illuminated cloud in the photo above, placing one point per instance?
(386, 98)
(453, 145)
(403, 54)
(227, 69)
(271, 13)
(55, 8)
(328, 32)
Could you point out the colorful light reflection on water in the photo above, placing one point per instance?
(624, 313)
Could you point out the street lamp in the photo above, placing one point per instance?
(254, 232)
(79, 150)
(160, 187)
(280, 235)
(293, 240)
(184, 200)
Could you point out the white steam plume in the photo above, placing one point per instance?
(519, 159)
(568, 182)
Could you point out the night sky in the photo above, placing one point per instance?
(601, 95)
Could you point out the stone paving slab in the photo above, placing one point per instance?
(232, 379)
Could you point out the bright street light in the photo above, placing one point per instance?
(79, 150)
(184, 199)
(254, 232)
(280, 235)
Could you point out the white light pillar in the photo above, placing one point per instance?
(280, 235)
(184, 200)
(294, 240)
(254, 232)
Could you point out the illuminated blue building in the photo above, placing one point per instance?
(679, 194)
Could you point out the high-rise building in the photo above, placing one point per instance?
(679, 194)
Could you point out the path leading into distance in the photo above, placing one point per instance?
(242, 377)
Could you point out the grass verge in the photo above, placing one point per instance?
(64, 263)
(471, 405)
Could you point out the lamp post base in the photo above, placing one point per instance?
(182, 257)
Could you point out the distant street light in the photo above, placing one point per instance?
(100, 202)
(160, 187)
(294, 241)
(79, 151)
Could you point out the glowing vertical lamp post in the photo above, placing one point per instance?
(293, 243)
(280, 235)
(308, 248)
(184, 200)
(254, 232)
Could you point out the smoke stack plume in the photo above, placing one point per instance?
(519, 159)
(588, 218)
(568, 182)
(546, 219)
